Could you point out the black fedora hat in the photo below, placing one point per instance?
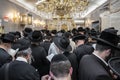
(62, 43)
(8, 38)
(80, 29)
(109, 37)
(79, 37)
(93, 32)
(114, 64)
(36, 36)
(27, 31)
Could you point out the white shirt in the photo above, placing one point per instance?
(100, 58)
(21, 59)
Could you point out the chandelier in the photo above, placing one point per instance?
(62, 7)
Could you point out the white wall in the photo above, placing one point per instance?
(111, 19)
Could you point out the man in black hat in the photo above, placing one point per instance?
(81, 48)
(81, 30)
(19, 69)
(39, 54)
(91, 38)
(5, 46)
(62, 46)
(69, 36)
(95, 67)
(46, 42)
(25, 40)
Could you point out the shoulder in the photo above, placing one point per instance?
(4, 54)
(20, 65)
(89, 63)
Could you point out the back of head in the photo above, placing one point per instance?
(60, 66)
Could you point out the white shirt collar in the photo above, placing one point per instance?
(21, 59)
(100, 58)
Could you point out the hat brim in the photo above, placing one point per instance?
(7, 41)
(107, 43)
(79, 37)
(35, 40)
(114, 64)
(57, 43)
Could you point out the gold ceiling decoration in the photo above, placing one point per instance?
(62, 7)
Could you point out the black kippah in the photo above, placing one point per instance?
(59, 57)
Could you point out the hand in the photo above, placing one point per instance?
(46, 77)
(114, 75)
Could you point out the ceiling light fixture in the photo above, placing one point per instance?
(39, 1)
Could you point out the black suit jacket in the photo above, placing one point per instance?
(73, 60)
(92, 68)
(19, 70)
(45, 45)
(4, 57)
(40, 62)
(82, 50)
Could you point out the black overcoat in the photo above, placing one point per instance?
(39, 60)
(82, 50)
(19, 70)
(4, 57)
(92, 68)
(73, 60)
(45, 45)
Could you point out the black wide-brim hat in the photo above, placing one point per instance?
(80, 29)
(79, 37)
(8, 38)
(62, 43)
(109, 37)
(27, 30)
(36, 36)
(114, 64)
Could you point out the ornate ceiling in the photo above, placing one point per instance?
(49, 9)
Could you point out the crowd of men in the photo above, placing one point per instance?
(79, 54)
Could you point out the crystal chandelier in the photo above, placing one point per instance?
(62, 7)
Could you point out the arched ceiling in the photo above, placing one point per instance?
(31, 6)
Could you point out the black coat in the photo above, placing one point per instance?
(82, 50)
(92, 68)
(4, 57)
(19, 70)
(45, 45)
(39, 59)
(73, 60)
